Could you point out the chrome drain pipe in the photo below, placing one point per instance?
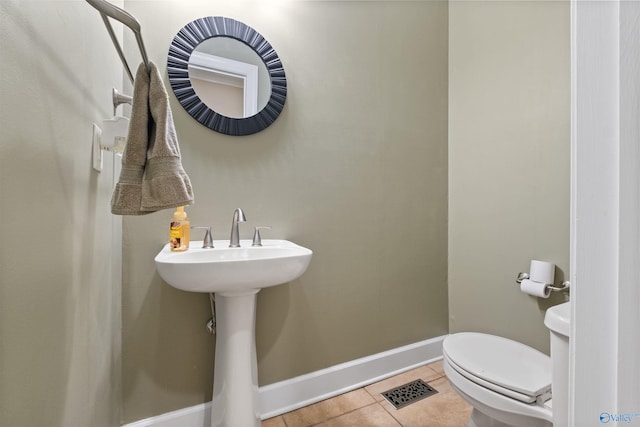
(211, 324)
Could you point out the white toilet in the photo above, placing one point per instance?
(508, 383)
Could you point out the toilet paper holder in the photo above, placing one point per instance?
(562, 288)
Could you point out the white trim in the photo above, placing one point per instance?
(606, 207)
(596, 141)
(628, 364)
(229, 72)
(288, 395)
(573, 202)
(193, 416)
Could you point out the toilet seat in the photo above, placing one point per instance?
(498, 389)
(506, 382)
(507, 367)
(491, 409)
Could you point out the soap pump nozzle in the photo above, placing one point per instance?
(180, 214)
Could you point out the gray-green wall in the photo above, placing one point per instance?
(509, 89)
(355, 168)
(416, 136)
(59, 292)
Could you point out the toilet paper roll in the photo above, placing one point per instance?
(542, 271)
(536, 289)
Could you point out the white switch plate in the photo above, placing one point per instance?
(96, 150)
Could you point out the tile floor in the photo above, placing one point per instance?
(365, 407)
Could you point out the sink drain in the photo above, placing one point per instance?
(409, 393)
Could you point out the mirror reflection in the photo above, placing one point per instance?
(229, 77)
(226, 76)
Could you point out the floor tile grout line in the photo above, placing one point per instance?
(391, 415)
(370, 394)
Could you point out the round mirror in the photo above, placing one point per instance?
(226, 76)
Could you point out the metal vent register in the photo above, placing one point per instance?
(409, 393)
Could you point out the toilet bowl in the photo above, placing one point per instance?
(510, 384)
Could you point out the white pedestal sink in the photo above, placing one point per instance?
(235, 275)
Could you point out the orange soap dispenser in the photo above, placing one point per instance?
(179, 231)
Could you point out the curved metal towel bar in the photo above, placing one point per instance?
(107, 10)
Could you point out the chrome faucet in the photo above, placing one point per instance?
(207, 242)
(234, 240)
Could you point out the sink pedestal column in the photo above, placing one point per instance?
(235, 382)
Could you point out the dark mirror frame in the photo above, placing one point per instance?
(183, 44)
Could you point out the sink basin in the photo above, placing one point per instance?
(224, 269)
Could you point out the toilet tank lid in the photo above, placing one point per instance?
(500, 361)
(558, 319)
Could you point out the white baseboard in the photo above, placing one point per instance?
(288, 395)
(193, 416)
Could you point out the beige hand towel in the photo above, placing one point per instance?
(152, 177)
(165, 184)
(127, 195)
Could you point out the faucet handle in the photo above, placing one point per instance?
(257, 240)
(207, 243)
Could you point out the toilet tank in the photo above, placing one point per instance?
(558, 320)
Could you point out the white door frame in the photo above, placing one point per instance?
(228, 72)
(605, 213)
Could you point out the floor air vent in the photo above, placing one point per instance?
(409, 393)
